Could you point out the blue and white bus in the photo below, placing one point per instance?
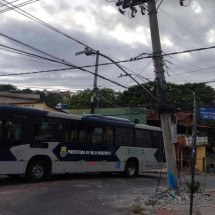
(39, 143)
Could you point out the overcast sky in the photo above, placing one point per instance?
(99, 25)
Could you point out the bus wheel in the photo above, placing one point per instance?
(131, 169)
(36, 171)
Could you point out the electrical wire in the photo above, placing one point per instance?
(175, 35)
(82, 67)
(172, 53)
(18, 5)
(25, 59)
(61, 61)
(159, 4)
(34, 18)
(209, 17)
(187, 29)
(55, 59)
(17, 51)
(180, 67)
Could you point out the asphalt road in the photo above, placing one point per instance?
(79, 194)
(74, 194)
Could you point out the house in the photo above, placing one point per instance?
(25, 100)
(183, 123)
(135, 115)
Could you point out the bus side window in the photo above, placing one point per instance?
(98, 135)
(13, 130)
(143, 138)
(41, 130)
(124, 136)
(108, 136)
(84, 134)
(157, 139)
(1, 129)
(73, 135)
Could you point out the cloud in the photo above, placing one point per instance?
(101, 26)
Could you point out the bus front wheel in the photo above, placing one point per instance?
(131, 169)
(36, 171)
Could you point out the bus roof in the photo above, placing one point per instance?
(36, 112)
(108, 120)
(22, 110)
(147, 127)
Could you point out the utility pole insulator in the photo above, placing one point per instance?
(130, 3)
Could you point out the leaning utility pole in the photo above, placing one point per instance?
(94, 98)
(165, 113)
(163, 104)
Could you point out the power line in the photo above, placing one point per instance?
(209, 17)
(25, 59)
(159, 4)
(57, 60)
(180, 67)
(18, 51)
(87, 66)
(187, 29)
(175, 35)
(34, 18)
(28, 46)
(206, 82)
(140, 56)
(18, 5)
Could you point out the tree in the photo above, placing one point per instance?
(81, 100)
(137, 96)
(51, 99)
(108, 98)
(181, 96)
(7, 87)
(27, 90)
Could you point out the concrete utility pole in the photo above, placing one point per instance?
(194, 131)
(163, 104)
(165, 114)
(94, 98)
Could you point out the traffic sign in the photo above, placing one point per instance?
(206, 113)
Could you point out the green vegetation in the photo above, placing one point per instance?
(196, 186)
(136, 208)
(180, 96)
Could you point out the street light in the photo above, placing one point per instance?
(137, 75)
(88, 51)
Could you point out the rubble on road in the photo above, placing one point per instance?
(150, 203)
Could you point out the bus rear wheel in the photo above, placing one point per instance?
(37, 170)
(131, 169)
